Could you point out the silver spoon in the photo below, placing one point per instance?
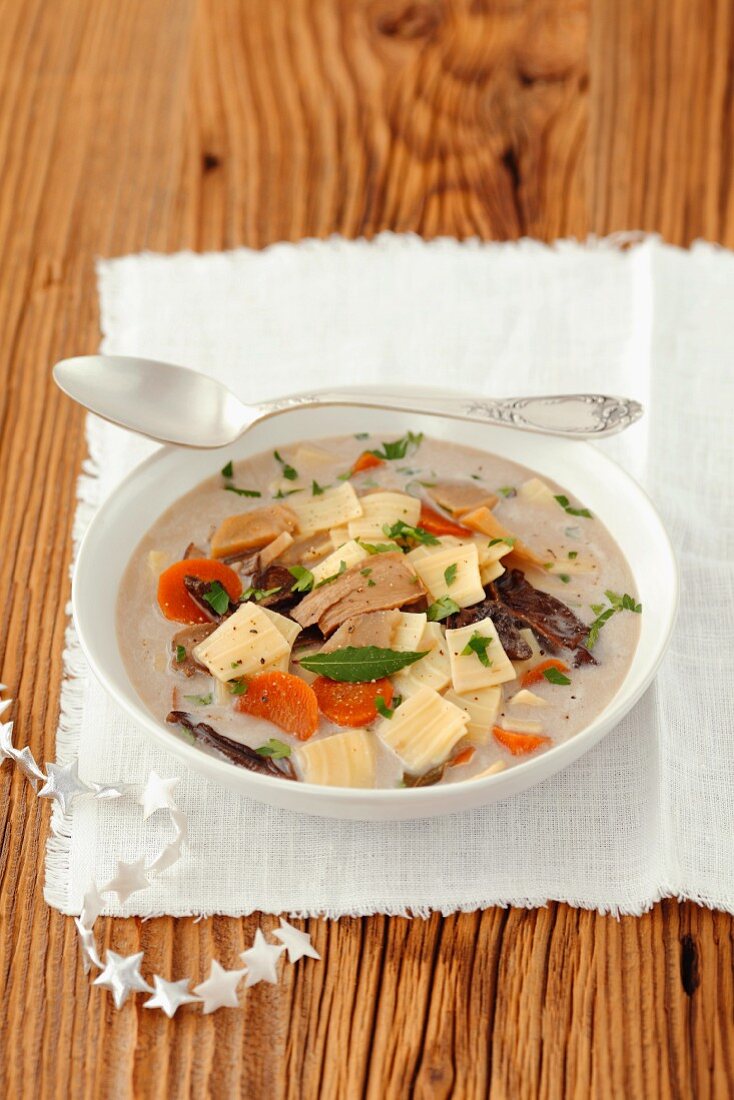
(176, 405)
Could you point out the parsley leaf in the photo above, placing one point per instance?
(228, 470)
(318, 490)
(242, 492)
(507, 491)
(274, 748)
(382, 708)
(237, 687)
(478, 643)
(508, 541)
(200, 700)
(288, 472)
(441, 609)
(564, 577)
(304, 578)
(280, 495)
(258, 594)
(564, 503)
(180, 653)
(555, 676)
(603, 615)
(359, 664)
(328, 580)
(399, 447)
(379, 547)
(449, 574)
(404, 532)
(217, 597)
(572, 554)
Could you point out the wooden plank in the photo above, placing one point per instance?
(171, 124)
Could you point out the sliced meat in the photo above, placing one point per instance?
(546, 616)
(189, 637)
(394, 583)
(459, 497)
(305, 550)
(233, 750)
(251, 530)
(513, 643)
(375, 628)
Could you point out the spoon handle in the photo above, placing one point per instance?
(577, 415)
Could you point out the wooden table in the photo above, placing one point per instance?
(169, 124)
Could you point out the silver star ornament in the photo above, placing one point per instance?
(121, 975)
(63, 784)
(261, 961)
(297, 943)
(220, 988)
(90, 957)
(129, 878)
(170, 995)
(158, 795)
(23, 758)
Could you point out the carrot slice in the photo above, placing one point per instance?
(173, 599)
(366, 461)
(436, 524)
(463, 757)
(534, 675)
(351, 704)
(519, 744)
(283, 699)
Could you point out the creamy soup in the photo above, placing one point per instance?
(376, 612)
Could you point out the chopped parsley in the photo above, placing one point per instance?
(318, 490)
(564, 577)
(228, 470)
(449, 574)
(217, 597)
(275, 749)
(378, 548)
(382, 708)
(280, 495)
(242, 492)
(288, 472)
(509, 541)
(258, 594)
(604, 614)
(555, 676)
(200, 700)
(478, 644)
(507, 491)
(304, 578)
(237, 687)
(572, 554)
(180, 653)
(441, 609)
(328, 580)
(564, 503)
(399, 447)
(406, 533)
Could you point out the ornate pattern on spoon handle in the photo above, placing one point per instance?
(583, 416)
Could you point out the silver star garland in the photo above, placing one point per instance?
(120, 974)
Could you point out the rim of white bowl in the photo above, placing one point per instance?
(524, 771)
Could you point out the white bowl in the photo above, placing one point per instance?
(592, 477)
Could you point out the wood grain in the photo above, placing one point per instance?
(168, 124)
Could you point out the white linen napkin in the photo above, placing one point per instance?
(649, 811)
